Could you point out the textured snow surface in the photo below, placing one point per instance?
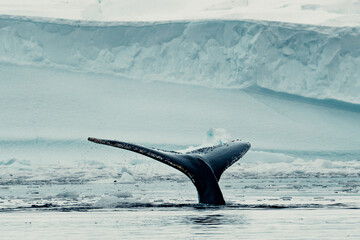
(319, 12)
(311, 61)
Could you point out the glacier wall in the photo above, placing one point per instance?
(310, 61)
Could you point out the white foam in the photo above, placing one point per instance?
(213, 137)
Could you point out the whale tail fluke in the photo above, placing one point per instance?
(203, 166)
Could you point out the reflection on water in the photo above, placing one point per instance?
(207, 219)
(145, 223)
(215, 220)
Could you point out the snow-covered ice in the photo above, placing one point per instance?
(310, 61)
(316, 12)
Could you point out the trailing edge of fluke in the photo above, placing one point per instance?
(203, 166)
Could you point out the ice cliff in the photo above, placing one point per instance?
(310, 61)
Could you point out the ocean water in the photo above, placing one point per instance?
(286, 208)
(184, 224)
(289, 90)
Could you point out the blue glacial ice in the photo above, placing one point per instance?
(311, 61)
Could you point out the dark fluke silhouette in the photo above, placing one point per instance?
(203, 166)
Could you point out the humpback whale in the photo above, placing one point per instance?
(203, 166)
